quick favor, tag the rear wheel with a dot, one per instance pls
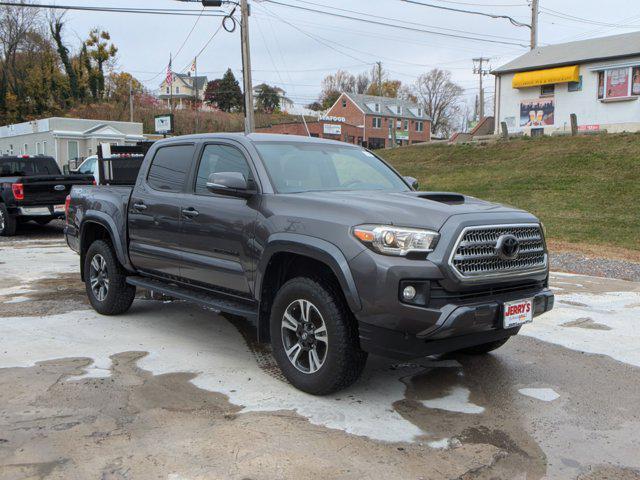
(105, 280)
(314, 337)
(484, 348)
(8, 223)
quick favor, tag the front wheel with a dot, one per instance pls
(105, 280)
(314, 337)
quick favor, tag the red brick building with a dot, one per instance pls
(366, 120)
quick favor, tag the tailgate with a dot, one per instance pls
(50, 190)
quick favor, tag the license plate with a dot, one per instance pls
(518, 313)
(58, 208)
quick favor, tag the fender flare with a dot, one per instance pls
(315, 248)
(102, 219)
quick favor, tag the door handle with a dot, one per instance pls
(139, 206)
(190, 212)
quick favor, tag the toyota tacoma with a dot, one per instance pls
(328, 250)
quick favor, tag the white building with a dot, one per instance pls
(66, 139)
(597, 79)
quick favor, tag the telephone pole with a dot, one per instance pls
(478, 69)
(249, 121)
(379, 64)
(535, 10)
(131, 99)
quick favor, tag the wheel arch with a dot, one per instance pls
(288, 254)
(98, 226)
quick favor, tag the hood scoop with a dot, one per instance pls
(443, 197)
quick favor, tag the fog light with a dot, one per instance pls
(409, 293)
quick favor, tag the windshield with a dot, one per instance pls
(303, 167)
(25, 167)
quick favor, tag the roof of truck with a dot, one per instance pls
(255, 137)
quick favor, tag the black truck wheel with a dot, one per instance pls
(8, 223)
(105, 280)
(485, 347)
(314, 337)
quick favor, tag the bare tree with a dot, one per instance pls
(334, 85)
(15, 25)
(362, 82)
(441, 98)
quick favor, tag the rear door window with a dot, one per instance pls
(169, 168)
(25, 167)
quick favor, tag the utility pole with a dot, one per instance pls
(131, 99)
(379, 64)
(195, 82)
(249, 121)
(535, 10)
(478, 69)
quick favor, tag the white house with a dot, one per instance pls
(597, 79)
(68, 140)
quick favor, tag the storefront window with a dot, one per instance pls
(617, 82)
(635, 81)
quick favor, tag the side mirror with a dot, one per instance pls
(413, 182)
(229, 183)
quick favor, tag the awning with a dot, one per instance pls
(546, 77)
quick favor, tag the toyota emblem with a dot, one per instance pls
(508, 247)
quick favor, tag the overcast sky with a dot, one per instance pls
(295, 49)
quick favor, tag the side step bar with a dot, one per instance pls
(218, 303)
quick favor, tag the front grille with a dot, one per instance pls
(475, 253)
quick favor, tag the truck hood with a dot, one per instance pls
(409, 209)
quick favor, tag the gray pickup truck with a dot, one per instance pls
(329, 251)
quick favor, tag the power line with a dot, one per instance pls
(472, 12)
(402, 27)
(144, 11)
(407, 22)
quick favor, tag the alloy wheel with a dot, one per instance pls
(1, 221)
(304, 336)
(99, 278)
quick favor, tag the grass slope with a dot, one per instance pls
(585, 189)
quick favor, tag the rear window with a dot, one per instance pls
(168, 171)
(26, 167)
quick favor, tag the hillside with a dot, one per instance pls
(585, 189)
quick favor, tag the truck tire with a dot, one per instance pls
(105, 280)
(485, 347)
(8, 223)
(314, 337)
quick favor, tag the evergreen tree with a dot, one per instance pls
(225, 93)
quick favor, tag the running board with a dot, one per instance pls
(218, 303)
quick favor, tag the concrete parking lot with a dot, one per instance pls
(174, 391)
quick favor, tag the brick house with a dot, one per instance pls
(366, 120)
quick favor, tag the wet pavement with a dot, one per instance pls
(174, 391)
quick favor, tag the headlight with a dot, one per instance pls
(396, 240)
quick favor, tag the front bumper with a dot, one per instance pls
(453, 316)
(459, 326)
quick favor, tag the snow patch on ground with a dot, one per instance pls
(620, 311)
(457, 400)
(182, 338)
(544, 394)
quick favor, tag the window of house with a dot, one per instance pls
(619, 83)
(406, 125)
(177, 89)
(398, 109)
(168, 171)
(377, 122)
(11, 149)
(398, 124)
(419, 112)
(38, 148)
(376, 107)
(167, 89)
(216, 159)
(575, 86)
(44, 148)
(547, 90)
(344, 103)
(419, 126)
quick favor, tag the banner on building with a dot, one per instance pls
(537, 113)
(331, 129)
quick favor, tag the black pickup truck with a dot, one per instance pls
(323, 245)
(33, 188)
